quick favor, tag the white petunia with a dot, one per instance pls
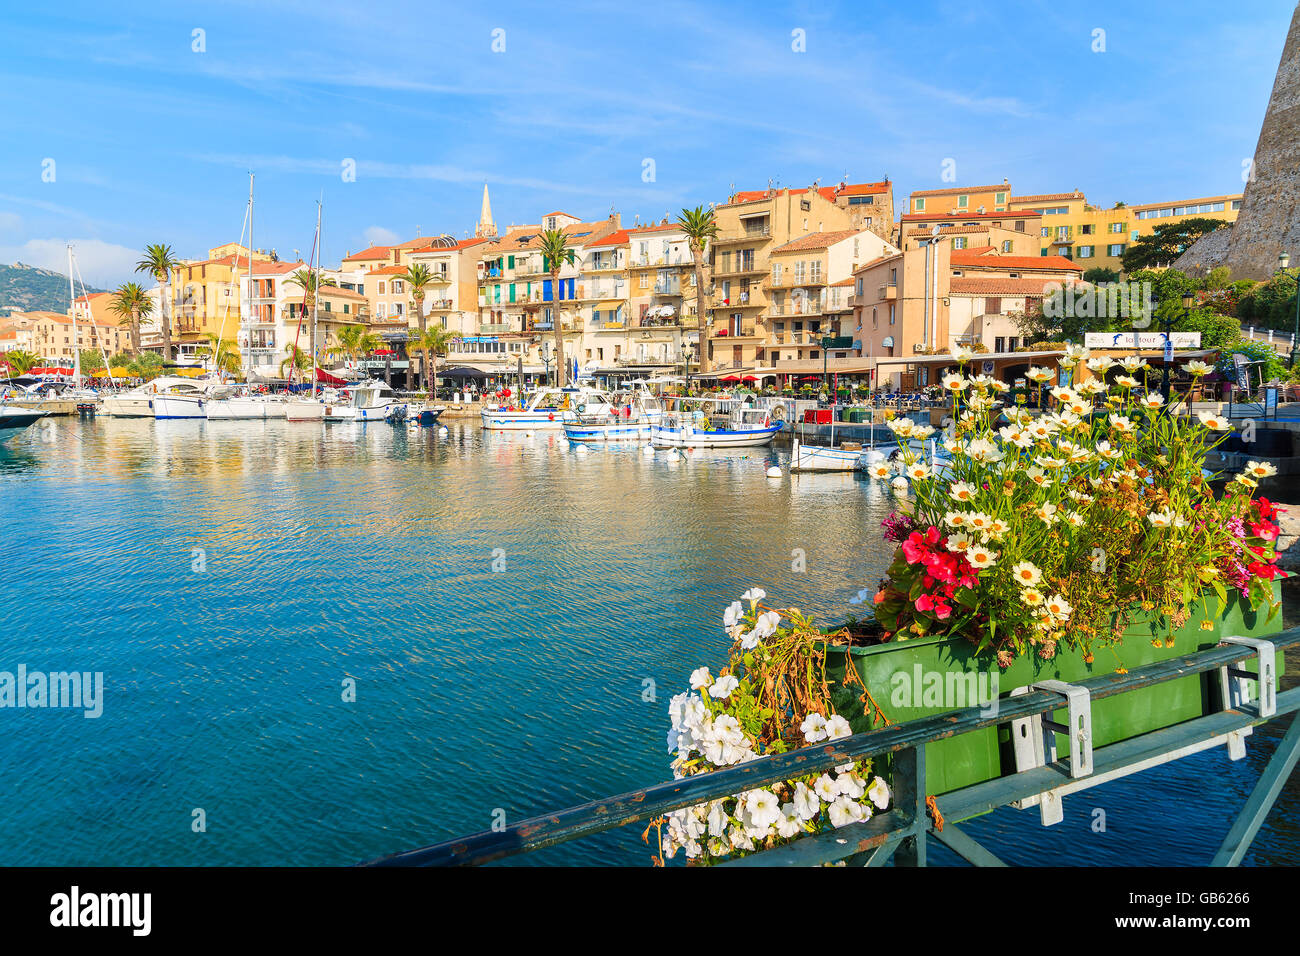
(813, 728)
(722, 688)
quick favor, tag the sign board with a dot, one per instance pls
(1141, 340)
(837, 342)
(1270, 401)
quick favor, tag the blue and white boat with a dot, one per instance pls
(742, 427)
(371, 402)
(620, 416)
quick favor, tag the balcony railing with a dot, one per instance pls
(726, 331)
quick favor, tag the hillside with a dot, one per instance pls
(29, 289)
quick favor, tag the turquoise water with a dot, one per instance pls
(230, 578)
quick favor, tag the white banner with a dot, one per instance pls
(1141, 340)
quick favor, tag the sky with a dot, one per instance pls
(125, 124)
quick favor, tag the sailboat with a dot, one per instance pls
(312, 409)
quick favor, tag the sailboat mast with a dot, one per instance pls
(315, 301)
(76, 346)
(248, 320)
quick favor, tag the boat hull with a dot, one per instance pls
(507, 421)
(305, 411)
(664, 436)
(14, 419)
(178, 406)
(607, 431)
(817, 458)
(128, 406)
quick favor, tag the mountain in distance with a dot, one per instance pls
(29, 289)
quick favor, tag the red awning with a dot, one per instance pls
(729, 378)
(49, 371)
(328, 379)
(384, 352)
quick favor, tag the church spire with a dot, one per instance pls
(486, 228)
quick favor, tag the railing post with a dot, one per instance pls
(909, 792)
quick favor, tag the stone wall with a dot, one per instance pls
(1270, 216)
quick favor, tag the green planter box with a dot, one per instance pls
(912, 679)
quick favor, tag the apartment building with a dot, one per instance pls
(926, 299)
(961, 200)
(52, 336)
(451, 300)
(809, 285)
(277, 319)
(1005, 241)
(205, 296)
(1098, 238)
(110, 336)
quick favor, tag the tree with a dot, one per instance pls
(91, 360)
(1270, 304)
(295, 358)
(132, 305)
(311, 283)
(224, 352)
(1167, 242)
(701, 228)
(418, 278)
(21, 361)
(1100, 274)
(160, 262)
(429, 343)
(348, 341)
(555, 253)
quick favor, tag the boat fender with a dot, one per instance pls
(777, 412)
(552, 416)
(582, 408)
(774, 472)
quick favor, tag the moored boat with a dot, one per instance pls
(544, 411)
(742, 427)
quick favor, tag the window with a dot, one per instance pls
(815, 270)
(857, 286)
(1045, 231)
(1062, 233)
(999, 197)
(920, 205)
(963, 202)
(1116, 227)
(1087, 229)
(861, 200)
(1006, 245)
(891, 313)
(776, 273)
(875, 324)
(644, 280)
(381, 286)
(379, 310)
(992, 306)
(1000, 344)
(1085, 252)
(1116, 249)
(397, 286)
(959, 242)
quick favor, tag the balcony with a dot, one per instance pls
(741, 300)
(887, 292)
(750, 234)
(796, 281)
(727, 332)
(493, 328)
(741, 269)
(667, 288)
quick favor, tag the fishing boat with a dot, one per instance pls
(545, 410)
(52, 398)
(847, 456)
(618, 416)
(695, 427)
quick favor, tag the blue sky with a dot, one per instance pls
(152, 141)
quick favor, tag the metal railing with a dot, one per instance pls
(903, 830)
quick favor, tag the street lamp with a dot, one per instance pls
(1189, 300)
(1283, 261)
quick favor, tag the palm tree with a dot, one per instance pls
(21, 362)
(224, 352)
(429, 342)
(418, 277)
(701, 229)
(555, 253)
(132, 305)
(348, 341)
(311, 283)
(159, 262)
(296, 358)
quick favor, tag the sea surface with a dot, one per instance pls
(322, 644)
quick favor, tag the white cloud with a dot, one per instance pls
(379, 236)
(102, 264)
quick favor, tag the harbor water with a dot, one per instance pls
(324, 643)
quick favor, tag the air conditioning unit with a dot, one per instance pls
(918, 347)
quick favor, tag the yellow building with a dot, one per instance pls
(1098, 238)
(959, 200)
(205, 297)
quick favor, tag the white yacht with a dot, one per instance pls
(545, 410)
(14, 418)
(138, 402)
(371, 402)
(187, 399)
(245, 405)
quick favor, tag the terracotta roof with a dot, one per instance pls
(617, 238)
(955, 230)
(876, 261)
(848, 281)
(935, 216)
(816, 240)
(977, 250)
(388, 271)
(517, 238)
(658, 227)
(588, 232)
(374, 252)
(1043, 197)
(275, 268)
(864, 189)
(559, 213)
(991, 285)
(333, 290)
(958, 190)
(972, 257)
